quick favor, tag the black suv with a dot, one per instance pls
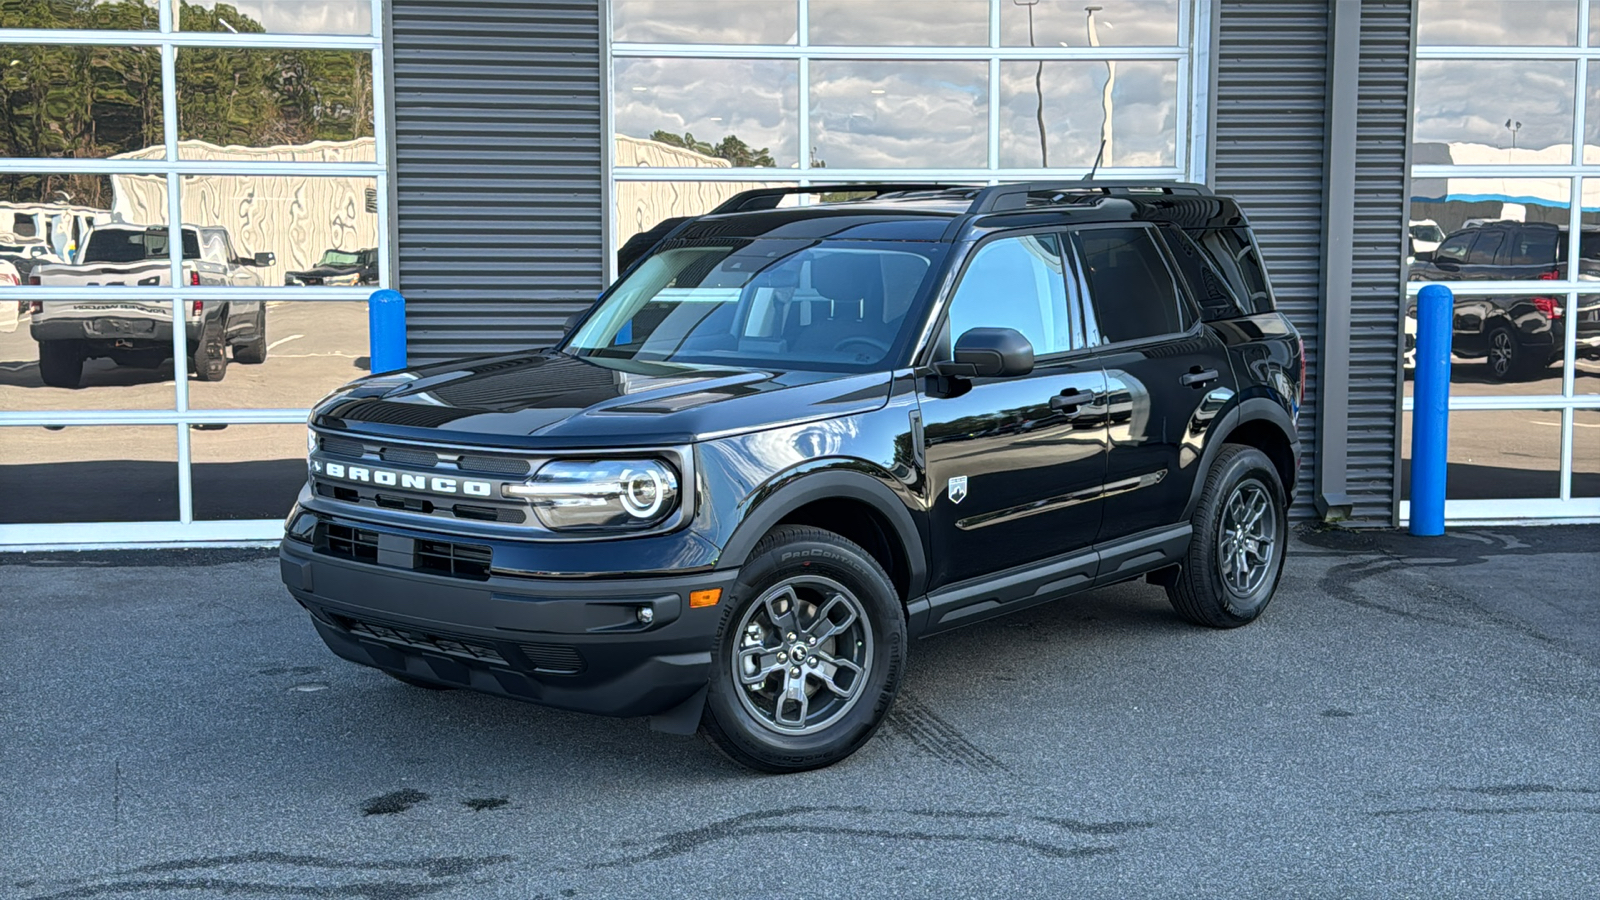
(788, 440)
(1518, 337)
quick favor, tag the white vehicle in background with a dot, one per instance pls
(1424, 237)
(139, 334)
(10, 310)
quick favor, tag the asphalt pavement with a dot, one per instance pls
(1411, 717)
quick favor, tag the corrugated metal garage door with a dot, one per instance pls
(1382, 155)
(498, 122)
(1270, 119)
(1270, 133)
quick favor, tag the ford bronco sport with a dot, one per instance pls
(791, 438)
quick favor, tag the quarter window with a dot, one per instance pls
(1016, 283)
(1129, 284)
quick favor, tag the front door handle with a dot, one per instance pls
(1069, 401)
(1196, 377)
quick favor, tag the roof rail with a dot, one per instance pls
(1006, 197)
(769, 198)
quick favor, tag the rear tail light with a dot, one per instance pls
(1550, 306)
(194, 278)
(197, 307)
(33, 279)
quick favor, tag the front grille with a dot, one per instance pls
(555, 658)
(459, 560)
(407, 459)
(349, 542)
(408, 456)
(449, 646)
(342, 446)
(494, 465)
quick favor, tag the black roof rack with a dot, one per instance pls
(769, 198)
(1006, 197)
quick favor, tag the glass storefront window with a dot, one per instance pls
(1591, 118)
(1494, 112)
(1497, 23)
(83, 102)
(309, 348)
(859, 23)
(246, 471)
(88, 474)
(642, 205)
(1586, 453)
(1142, 105)
(707, 113)
(704, 21)
(1490, 229)
(1113, 23)
(278, 230)
(95, 15)
(886, 115)
(274, 16)
(1497, 454)
(287, 101)
(1503, 345)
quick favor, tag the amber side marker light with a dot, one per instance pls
(698, 599)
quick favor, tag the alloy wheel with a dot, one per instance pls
(801, 655)
(1500, 353)
(1246, 541)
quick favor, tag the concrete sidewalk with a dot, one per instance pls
(1410, 718)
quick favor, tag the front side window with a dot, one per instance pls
(1487, 246)
(1129, 284)
(822, 305)
(1454, 249)
(1017, 283)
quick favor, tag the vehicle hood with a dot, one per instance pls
(325, 271)
(545, 399)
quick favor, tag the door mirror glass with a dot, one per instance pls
(990, 353)
(266, 258)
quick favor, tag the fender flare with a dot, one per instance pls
(1250, 409)
(797, 488)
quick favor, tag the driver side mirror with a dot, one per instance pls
(989, 353)
(264, 259)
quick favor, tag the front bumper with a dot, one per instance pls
(575, 644)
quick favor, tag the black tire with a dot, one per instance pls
(61, 363)
(254, 351)
(1203, 591)
(873, 641)
(210, 358)
(1508, 360)
(418, 682)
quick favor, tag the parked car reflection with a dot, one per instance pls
(1517, 337)
(339, 268)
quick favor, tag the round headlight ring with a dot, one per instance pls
(642, 493)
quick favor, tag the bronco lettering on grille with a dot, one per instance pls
(387, 478)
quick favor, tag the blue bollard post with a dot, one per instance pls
(1430, 408)
(386, 327)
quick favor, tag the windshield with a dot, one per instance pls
(829, 305)
(122, 245)
(1427, 233)
(339, 258)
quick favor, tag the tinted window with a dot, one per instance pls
(1454, 249)
(830, 305)
(1235, 256)
(1016, 283)
(1534, 247)
(1129, 284)
(1216, 300)
(122, 245)
(1484, 250)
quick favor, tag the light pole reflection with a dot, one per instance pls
(1105, 96)
(1038, 84)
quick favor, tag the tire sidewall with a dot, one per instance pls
(753, 742)
(1249, 464)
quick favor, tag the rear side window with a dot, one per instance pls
(1130, 287)
(1235, 256)
(1534, 247)
(1217, 300)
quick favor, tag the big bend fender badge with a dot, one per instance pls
(957, 489)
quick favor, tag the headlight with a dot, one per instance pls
(311, 440)
(601, 493)
(343, 280)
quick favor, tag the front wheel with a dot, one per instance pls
(1236, 554)
(809, 654)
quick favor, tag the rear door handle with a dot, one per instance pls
(1069, 402)
(1196, 377)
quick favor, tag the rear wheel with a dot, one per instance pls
(809, 655)
(254, 351)
(61, 363)
(210, 359)
(1236, 554)
(1509, 360)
